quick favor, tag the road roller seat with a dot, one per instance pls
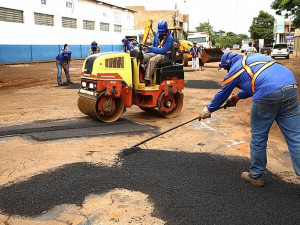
(172, 59)
(169, 68)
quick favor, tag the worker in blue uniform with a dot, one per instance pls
(159, 51)
(250, 50)
(128, 45)
(62, 60)
(274, 93)
(94, 49)
(195, 51)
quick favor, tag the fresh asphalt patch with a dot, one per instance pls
(74, 86)
(201, 84)
(185, 188)
(73, 128)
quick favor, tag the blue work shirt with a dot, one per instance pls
(167, 45)
(270, 80)
(195, 51)
(130, 45)
(62, 57)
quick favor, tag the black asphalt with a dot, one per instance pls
(186, 188)
(72, 128)
(201, 84)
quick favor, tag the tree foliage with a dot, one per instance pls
(262, 27)
(221, 38)
(229, 40)
(204, 27)
(288, 8)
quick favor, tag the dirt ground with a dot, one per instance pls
(29, 93)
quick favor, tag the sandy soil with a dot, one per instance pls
(29, 92)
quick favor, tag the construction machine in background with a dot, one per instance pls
(183, 56)
(208, 54)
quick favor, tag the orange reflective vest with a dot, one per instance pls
(160, 44)
(249, 71)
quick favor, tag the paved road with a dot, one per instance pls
(72, 128)
(186, 188)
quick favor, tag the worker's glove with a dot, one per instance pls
(205, 113)
(231, 102)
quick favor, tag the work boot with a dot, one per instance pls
(70, 82)
(60, 84)
(255, 181)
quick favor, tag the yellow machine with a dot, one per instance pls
(111, 82)
(183, 56)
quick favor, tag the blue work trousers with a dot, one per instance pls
(283, 107)
(59, 72)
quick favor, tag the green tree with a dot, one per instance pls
(262, 27)
(288, 8)
(204, 27)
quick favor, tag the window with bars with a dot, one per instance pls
(88, 25)
(117, 28)
(11, 15)
(43, 19)
(69, 22)
(104, 26)
(116, 62)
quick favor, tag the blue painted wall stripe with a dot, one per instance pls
(31, 53)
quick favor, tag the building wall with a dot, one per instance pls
(27, 41)
(297, 44)
(142, 15)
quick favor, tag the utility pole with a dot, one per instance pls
(176, 14)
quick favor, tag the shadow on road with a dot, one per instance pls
(186, 188)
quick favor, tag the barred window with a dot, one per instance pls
(104, 26)
(88, 25)
(116, 62)
(118, 28)
(69, 22)
(43, 19)
(11, 15)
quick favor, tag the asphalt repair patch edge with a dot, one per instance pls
(51, 130)
(186, 188)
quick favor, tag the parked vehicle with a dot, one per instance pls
(280, 50)
(235, 47)
(266, 49)
(245, 45)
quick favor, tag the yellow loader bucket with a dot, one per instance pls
(211, 55)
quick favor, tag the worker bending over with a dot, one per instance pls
(62, 62)
(274, 93)
(159, 51)
(195, 51)
(128, 45)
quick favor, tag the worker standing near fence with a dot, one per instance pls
(195, 51)
(94, 49)
(274, 93)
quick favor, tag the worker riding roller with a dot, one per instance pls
(160, 50)
(114, 81)
(274, 93)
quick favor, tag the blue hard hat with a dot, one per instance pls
(162, 26)
(226, 60)
(124, 40)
